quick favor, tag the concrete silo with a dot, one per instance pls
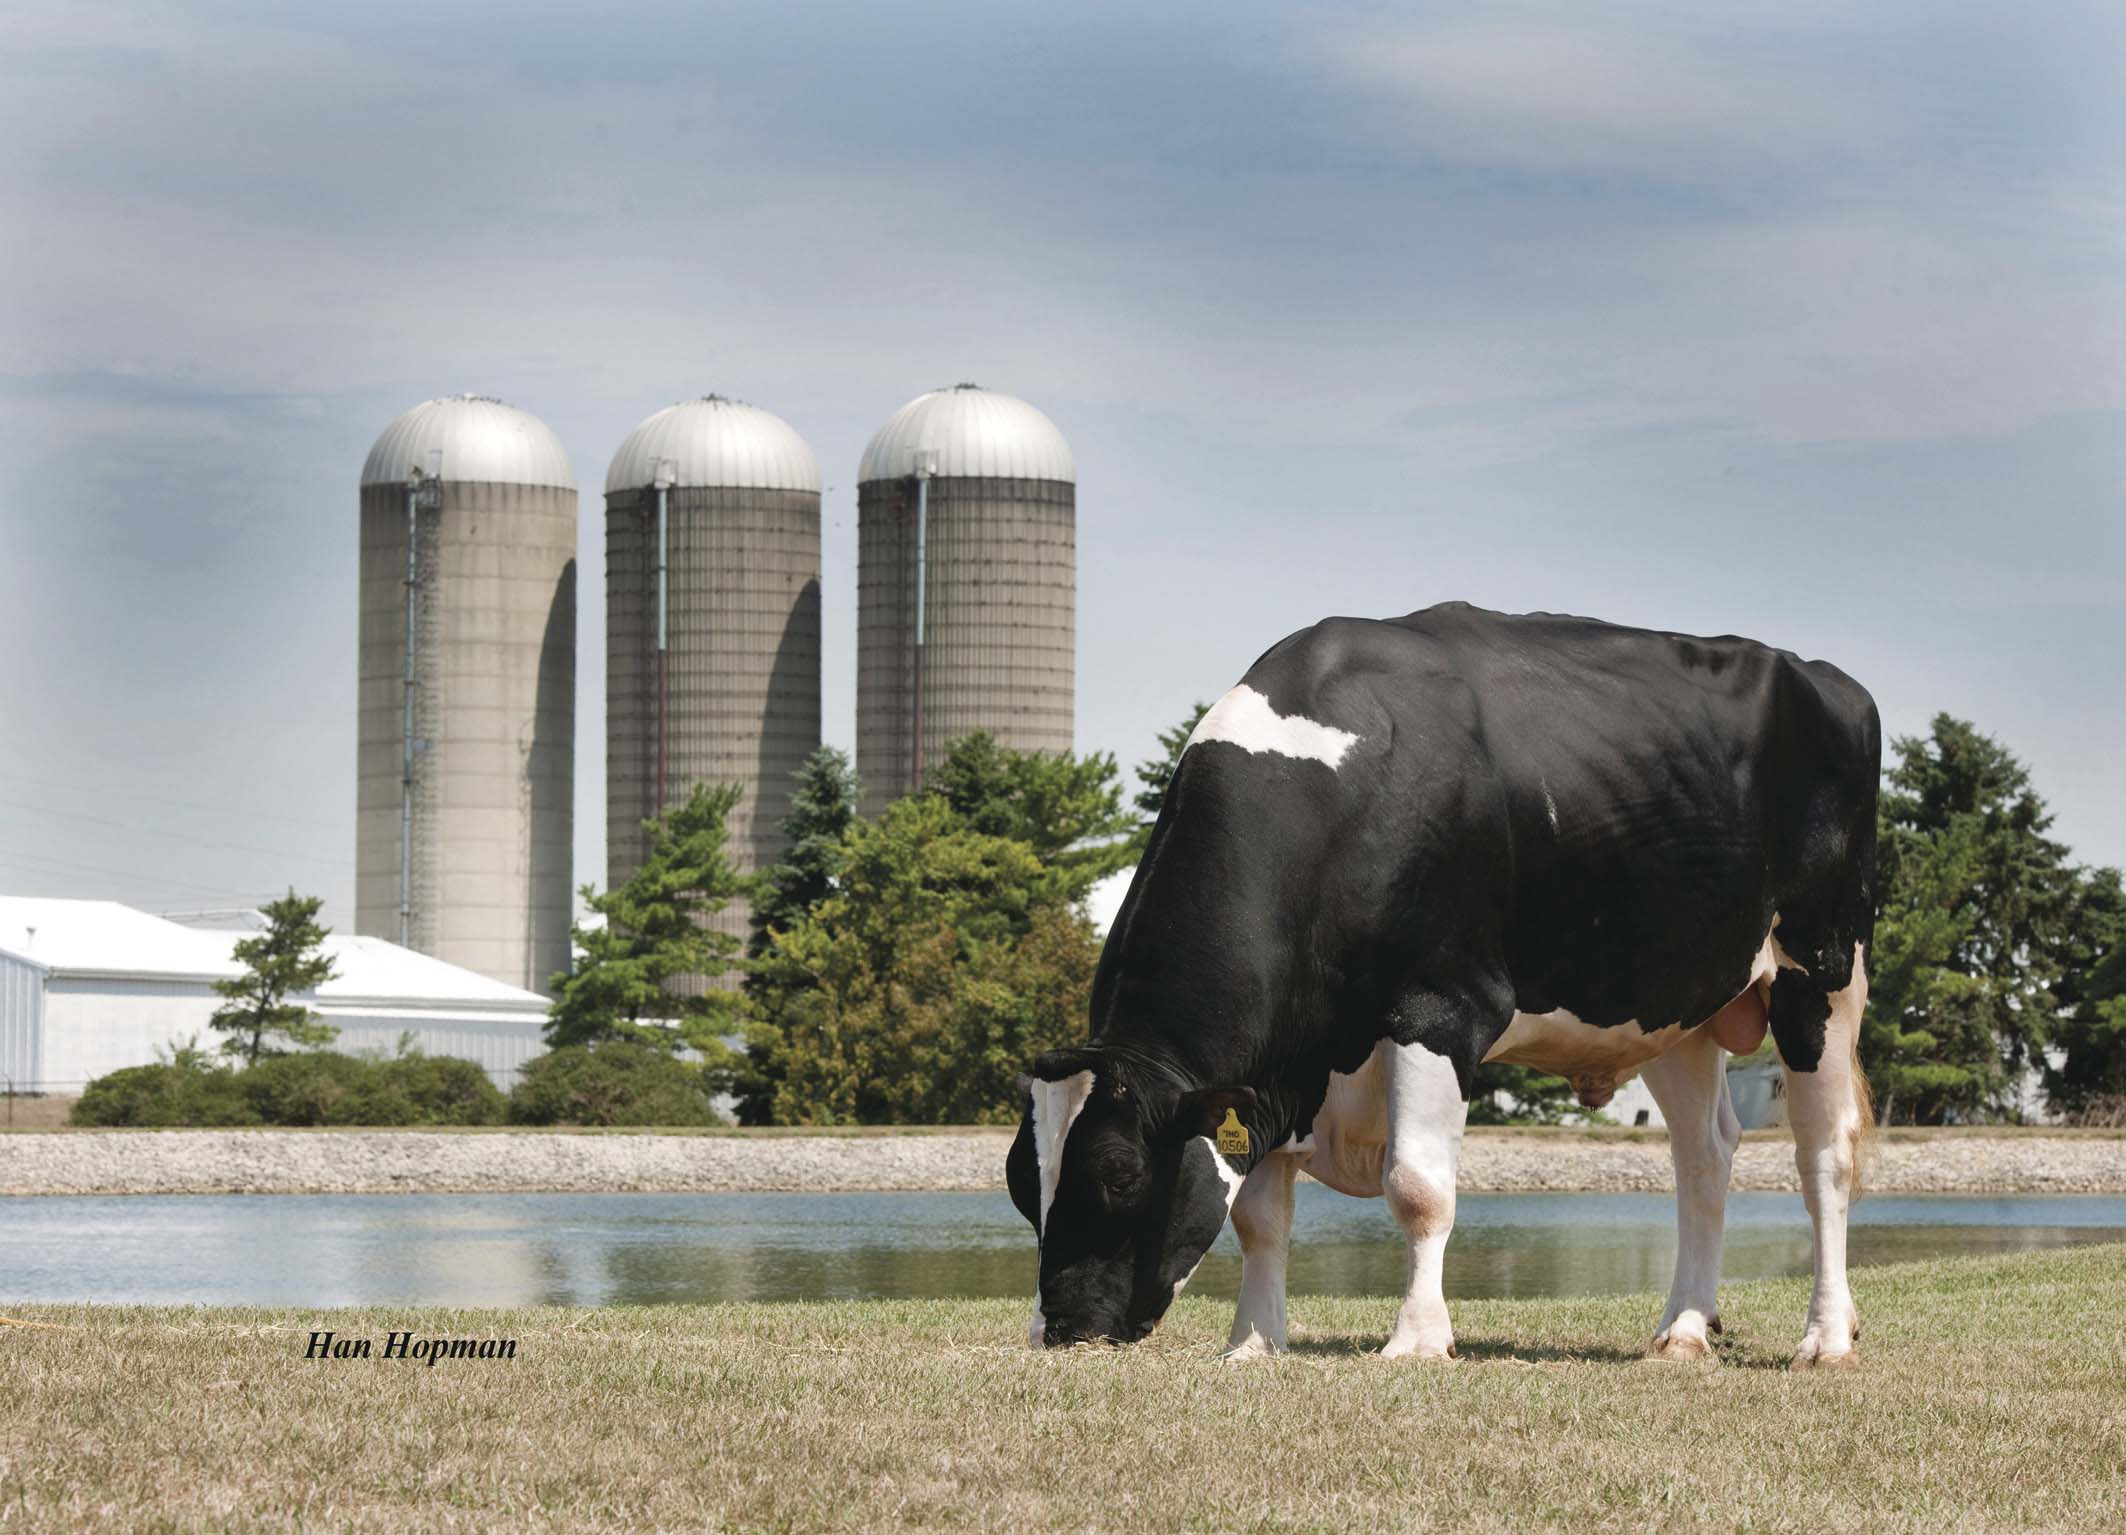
(712, 624)
(466, 769)
(966, 585)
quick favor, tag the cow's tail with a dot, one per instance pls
(1863, 1120)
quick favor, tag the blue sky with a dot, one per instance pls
(1775, 319)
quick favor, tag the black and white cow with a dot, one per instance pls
(1401, 848)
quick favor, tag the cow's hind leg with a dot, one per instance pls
(1262, 1215)
(1690, 1084)
(1426, 1112)
(1818, 1033)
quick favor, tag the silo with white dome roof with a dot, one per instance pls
(966, 585)
(467, 695)
(712, 624)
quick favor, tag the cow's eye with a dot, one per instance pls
(1122, 1181)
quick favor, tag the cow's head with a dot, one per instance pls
(1116, 1171)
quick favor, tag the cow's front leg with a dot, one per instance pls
(1262, 1215)
(1690, 1084)
(1426, 1112)
(1828, 1106)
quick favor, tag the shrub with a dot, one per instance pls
(323, 1088)
(314, 1088)
(443, 1090)
(619, 1082)
(181, 1092)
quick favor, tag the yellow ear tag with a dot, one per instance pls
(1232, 1136)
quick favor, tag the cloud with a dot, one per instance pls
(1777, 317)
(1557, 93)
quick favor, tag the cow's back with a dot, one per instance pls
(1551, 812)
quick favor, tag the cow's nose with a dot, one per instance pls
(1062, 1335)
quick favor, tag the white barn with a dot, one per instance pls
(87, 987)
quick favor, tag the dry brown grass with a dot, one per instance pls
(47, 1114)
(47, 1111)
(1993, 1396)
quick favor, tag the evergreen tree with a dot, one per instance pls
(654, 933)
(1928, 1038)
(1066, 809)
(1158, 772)
(1975, 915)
(280, 962)
(2091, 1081)
(822, 808)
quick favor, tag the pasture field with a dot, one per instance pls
(1992, 1396)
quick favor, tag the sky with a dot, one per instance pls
(1798, 320)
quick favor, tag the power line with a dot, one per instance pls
(178, 836)
(35, 863)
(244, 811)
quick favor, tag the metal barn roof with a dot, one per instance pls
(481, 439)
(969, 431)
(713, 441)
(104, 938)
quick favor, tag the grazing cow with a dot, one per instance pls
(1401, 848)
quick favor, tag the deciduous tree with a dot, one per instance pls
(946, 958)
(1067, 809)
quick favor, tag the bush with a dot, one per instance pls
(181, 1092)
(321, 1088)
(313, 1088)
(619, 1082)
(443, 1090)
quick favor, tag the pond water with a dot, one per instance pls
(604, 1249)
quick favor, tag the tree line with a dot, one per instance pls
(905, 968)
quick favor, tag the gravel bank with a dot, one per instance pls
(406, 1161)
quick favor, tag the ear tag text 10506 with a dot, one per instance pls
(1232, 1136)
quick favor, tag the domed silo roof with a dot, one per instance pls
(718, 443)
(481, 439)
(972, 432)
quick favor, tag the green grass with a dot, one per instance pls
(1992, 1396)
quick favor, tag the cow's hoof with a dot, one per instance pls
(1681, 1348)
(1254, 1348)
(1420, 1350)
(1813, 1356)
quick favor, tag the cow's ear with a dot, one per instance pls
(1203, 1111)
(1062, 1065)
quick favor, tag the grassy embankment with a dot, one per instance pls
(1993, 1396)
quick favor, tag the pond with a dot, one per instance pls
(610, 1249)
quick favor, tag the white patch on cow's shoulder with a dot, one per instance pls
(1055, 1108)
(1244, 718)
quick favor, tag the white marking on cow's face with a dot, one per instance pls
(1056, 1106)
(1244, 718)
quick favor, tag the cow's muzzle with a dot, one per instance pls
(1065, 1334)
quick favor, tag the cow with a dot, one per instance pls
(1401, 848)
